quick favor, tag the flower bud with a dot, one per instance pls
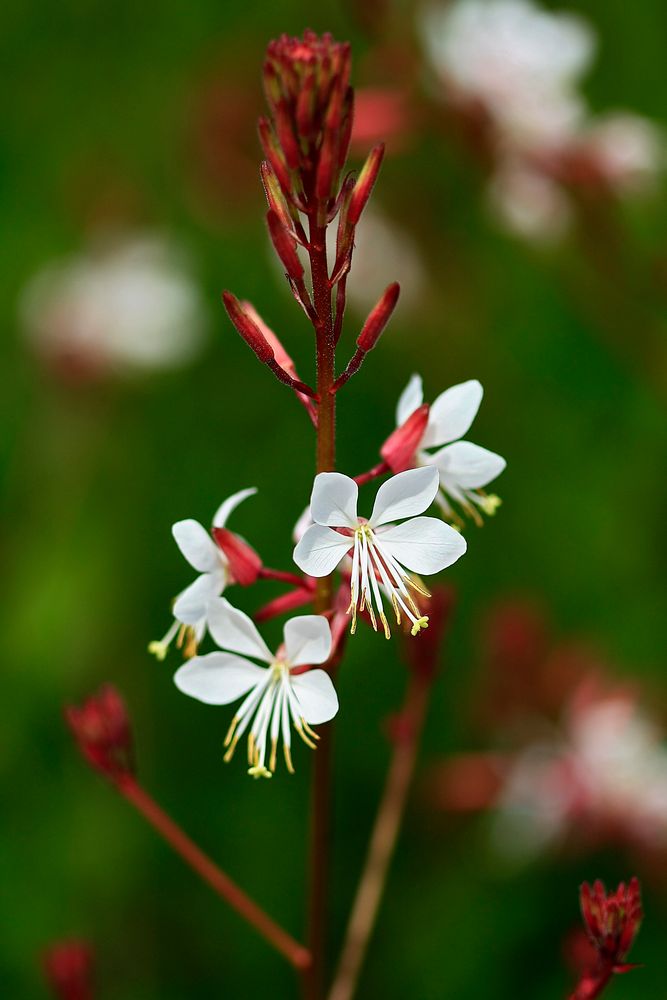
(612, 920)
(68, 970)
(285, 246)
(365, 183)
(249, 331)
(378, 318)
(102, 731)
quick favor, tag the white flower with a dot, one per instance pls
(381, 550)
(125, 307)
(528, 203)
(275, 694)
(201, 551)
(464, 468)
(628, 149)
(522, 63)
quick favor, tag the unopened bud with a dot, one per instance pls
(244, 562)
(68, 967)
(274, 195)
(365, 184)
(285, 246)
(274, 155)
(248, 330)
(102, 731)
(378, 318)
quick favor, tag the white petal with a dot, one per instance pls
(452, 413)
(410, 399)
(404, 495)
(334, 500)
(320, 550)
(192, 603)
(317, 696)
(307, 640)
(230, 504)
(232, 629)
(423, 544)
(468, 465)
(196, 545)
(217, 678)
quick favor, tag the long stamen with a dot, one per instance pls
(376, 590)
(366, 601)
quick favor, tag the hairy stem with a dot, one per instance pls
(207, 870)
(325, 461)
(382, 842)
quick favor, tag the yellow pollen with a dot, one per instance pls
(419, 625)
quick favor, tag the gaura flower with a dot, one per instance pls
(464, 468)
(201, 551)
(275, 694)
(382, 551)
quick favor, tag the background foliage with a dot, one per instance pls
(102, 121)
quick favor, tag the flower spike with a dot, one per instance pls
(382, 552)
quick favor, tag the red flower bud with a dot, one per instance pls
(285, 246)
(244, 563)
(378, 318)
(365, 184)
(399, 449)
(68, 970)
(102, 731)
(612, 920)
(249, 331)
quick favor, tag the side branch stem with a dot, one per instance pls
(207, 870)
(383, 841)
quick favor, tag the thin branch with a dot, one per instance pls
(383, 840)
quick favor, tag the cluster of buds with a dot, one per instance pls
(612, 922)
(102, 731)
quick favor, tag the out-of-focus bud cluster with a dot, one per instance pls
(102, 731)
(511, 73)
(123, 307)
(68, 970)
(612, 921)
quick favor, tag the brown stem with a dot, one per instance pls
(325, 461)
(294, 952)
(383, 841)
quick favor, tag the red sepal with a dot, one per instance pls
(101, 727)
(399, 449)
(244, 563)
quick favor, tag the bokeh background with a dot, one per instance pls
(131, 117)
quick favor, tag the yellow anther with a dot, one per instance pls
(307, 728)
(251, 749)
(158, 649)
(230, 753)
(272, 758)
(419, 587)
(385, 625)
(419, 625)
(353, 626)
(397, 610)
(304, 737)
(230, 731)
(288, 759)
(372, 614)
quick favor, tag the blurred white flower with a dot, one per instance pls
(128, 307)
(521, 63)
(607, 772)
(627, 149)
(528, 203)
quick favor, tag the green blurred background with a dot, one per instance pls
(102, 120)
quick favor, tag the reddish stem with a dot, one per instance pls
(207, 870)
(367, 477)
